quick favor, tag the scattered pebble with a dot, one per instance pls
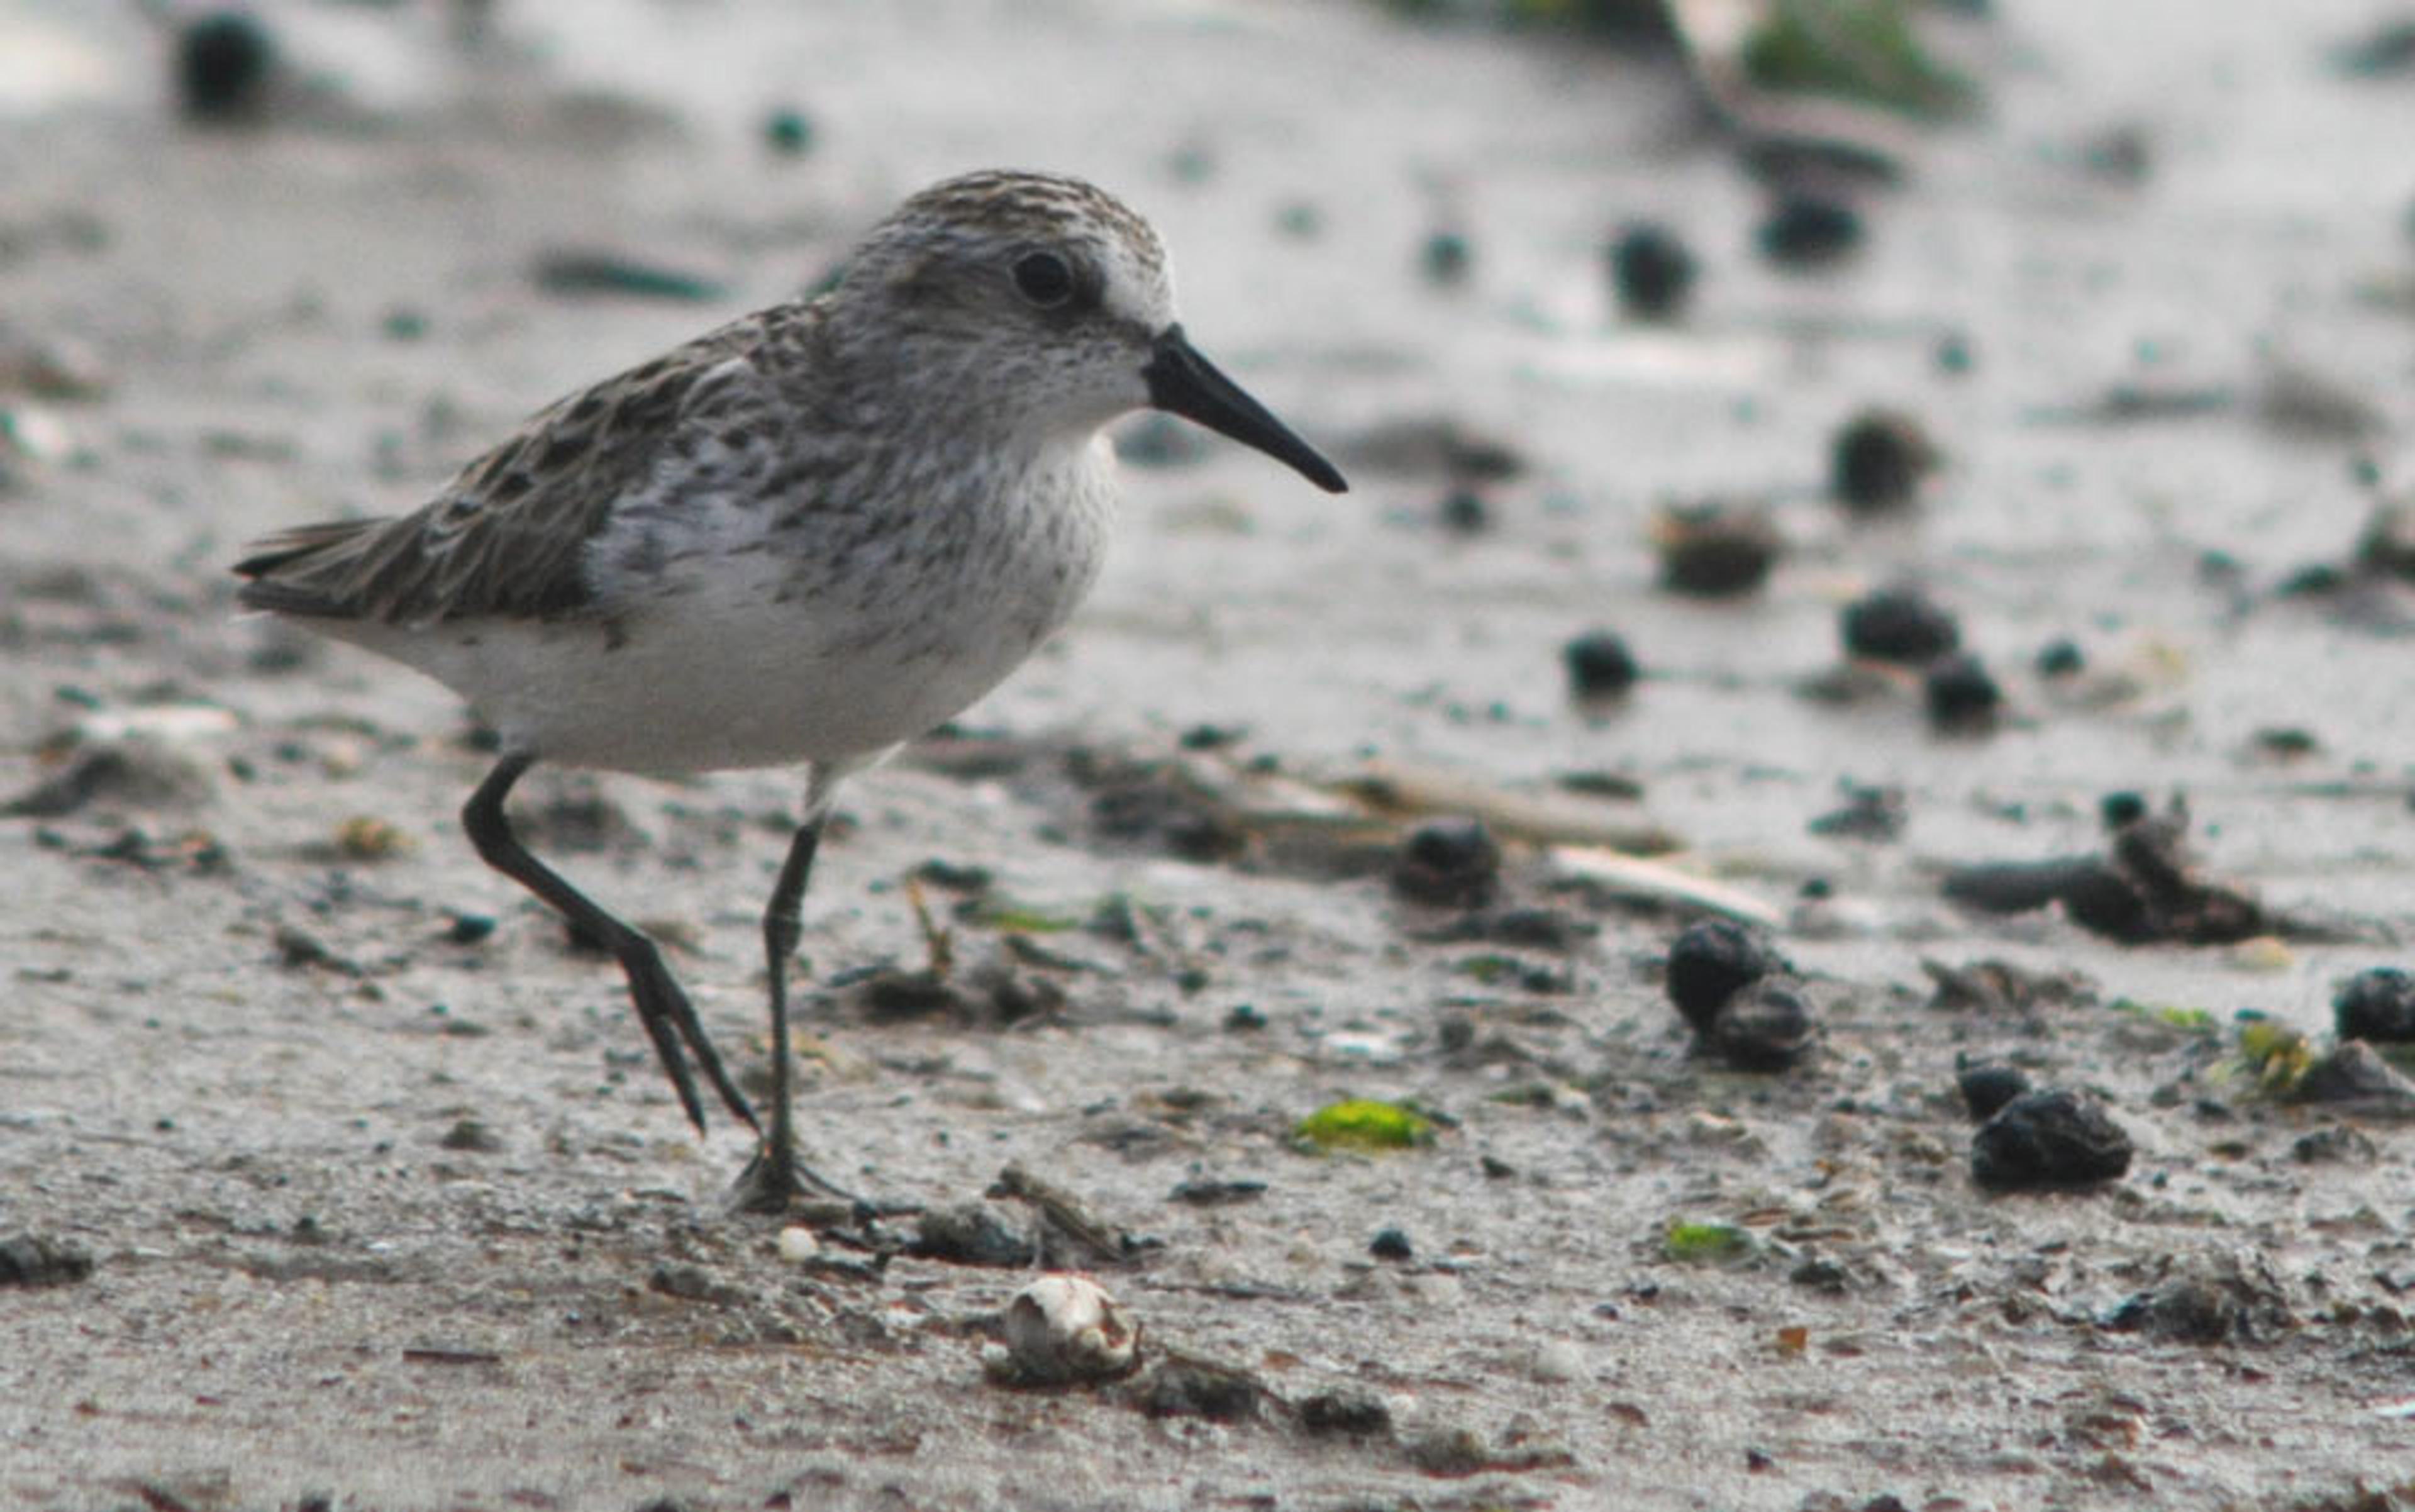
(140, 772)
(1878, 462)
(1652, 270)
(1207, 1193)
(1555, 1362)
(1987, 1088)
(1962, 699)
(1463, 511)
(971, 1234)
(2061, 659)
(224, 59)
(1391, 1244)
(798, 1245)
(789, 131)
(2228, 1299)
(365, 838)
(1599, 665)
(2339, 1144)
(1446, 257)
(1765, 1027)
(2356, 1075)
(1186, 1386)
(2375, 1005)
(469, 929)
(575, 271)
(1345, 1414)
(472, 1136)
(1063, 1329)
(1451, 863)
(1711, 962)
(34, 1260)
(1805, 232)
(1899, 624)
(1874, 813)
(1716, 550)
(2048, 1139)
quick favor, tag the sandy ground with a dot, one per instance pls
(385, 1212)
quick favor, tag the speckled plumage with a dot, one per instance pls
(806, 536)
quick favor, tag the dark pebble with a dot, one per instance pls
(1346, 1414)
(1953, 355)
(469, 929)
(1448, 862)
(1652, 270)
(1245, 1018)
(1878, 461)
(31, 1260)
(1446, 257)
(789, 131)
(1463, 511)
(571, 271)
(1199, 1389)
(1208, 1193)
(1766, 1028)
(1391, 1244)
(223, 60)
(969, 1233)
(2120, 810)
(2338, 1144)
(1599, 665)
(2060, 658)
(1959, 695)
(1986, 1088)
(1717, 551)
(2048, 1139)
(1877, 813)
(2377, 1004)
(1899, 624)
(472, 1136)
(1711, 962)
(1805, 232)
(2356, 1073)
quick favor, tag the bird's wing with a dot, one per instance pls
(508, 535)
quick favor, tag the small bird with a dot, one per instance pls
(801, 539)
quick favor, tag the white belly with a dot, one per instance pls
(731, 658)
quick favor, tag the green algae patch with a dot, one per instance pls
(1705, 1244)
(1362, 1124)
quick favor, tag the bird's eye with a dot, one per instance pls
(1044, 278)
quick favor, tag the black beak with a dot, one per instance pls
(1186, 383)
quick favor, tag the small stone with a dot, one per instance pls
(1189, 1388)
(1391, 1244)
(1711, 962)
(1805, 232)
(1446, 257)
(1463, 511)
(1716, 550)
(1449, 1452)
(1652, 270)
(2118, 811)
(798, 1245)
(969, 1233)
(2375, 1005)
(1345, 1414)
(2060, 658)
(1599, 665)
(1063, 1329)
(469, 929)
(1556, 1361)
(2048, 1139)
(1878, 461)
(789, 131)
(223, 62)
(34, 1260)
(2356, 1074)
(1449, 863)
(1765, 1027)
(2338, 1144)
(1899, 624)
(1876, 813)
(472, 1136)
(1959, 695)
(1987, 1087)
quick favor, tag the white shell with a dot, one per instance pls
(1064, 1329)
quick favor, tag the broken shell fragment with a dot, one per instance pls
(1063, 1329)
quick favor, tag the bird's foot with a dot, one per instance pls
(776, 1182)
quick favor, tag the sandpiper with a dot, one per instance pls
(801, 539)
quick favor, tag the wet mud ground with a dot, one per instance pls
(386, 1206)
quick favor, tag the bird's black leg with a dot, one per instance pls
(662, 1007)
(775, 1176)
